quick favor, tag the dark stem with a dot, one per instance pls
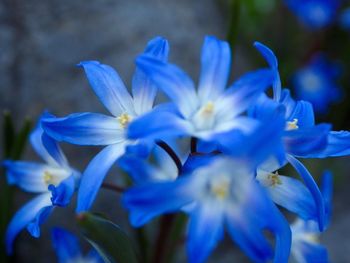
(193, 145)
(171, 153)
(162, 240)
(113, 187)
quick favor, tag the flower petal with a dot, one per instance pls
(243, 93)
(216, 60)
(304, 141)
(84, 129)
(143, 90)
(27, 175)
(94, 174)
(313, 188)
(51, 153)
(109, 87)
(291, 194)
(158, 124)
(338, 145)
(65, 244)
(172, 81)
(62, 194)
(143, 201)
(304, 113)
(273, 63)
(206, 223)
(24, 216)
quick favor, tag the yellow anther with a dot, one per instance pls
(220, 190)
(124, 119)
(48, 178)
(274, 179)
(208, 108)
(292, 125)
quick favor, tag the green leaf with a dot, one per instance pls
(107, 238)
(21, 140)
(8, 133)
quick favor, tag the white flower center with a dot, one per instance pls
(204, 118)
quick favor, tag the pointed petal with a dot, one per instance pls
(338, 145)
(216, 60)
(172, 81)
(27, 175)
(158, 124)
(95, 173)
(109, 87)
(273, 63)
(143, 90)
(206, 223)
(24, 216)
(34, 226)
(304, 141)
(313, 188)
(65, 244)
(45, 151)
(54, 150)
(243, 93)
(291, 194)
(84, 129)
(143, 201)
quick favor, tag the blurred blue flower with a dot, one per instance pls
(208, 111)
(68, 249)
(222, 193)
(55, 182)
(109, 131)
(344, 19)
(317, 83)
(315, 14)
(305, 234)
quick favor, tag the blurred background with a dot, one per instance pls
(42, 41)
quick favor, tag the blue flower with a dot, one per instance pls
(68, 249)
(221, 194)
(109, 131)
(344, 19)
(301, 138)
(208, 111)
(54, 181)
(315, 14)
(305, 234)
(316, 83)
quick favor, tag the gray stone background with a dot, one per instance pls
(40, 43)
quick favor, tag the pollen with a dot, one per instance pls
(124, 119)
(274, 179)
(208, 108)
(292, 125)
(48, 178)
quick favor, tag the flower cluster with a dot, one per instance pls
(226, 176)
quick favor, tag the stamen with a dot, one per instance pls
(292, 125)
(48, 178)
(221, 188)
(274, 179)
(208, 108)
(124, 119)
